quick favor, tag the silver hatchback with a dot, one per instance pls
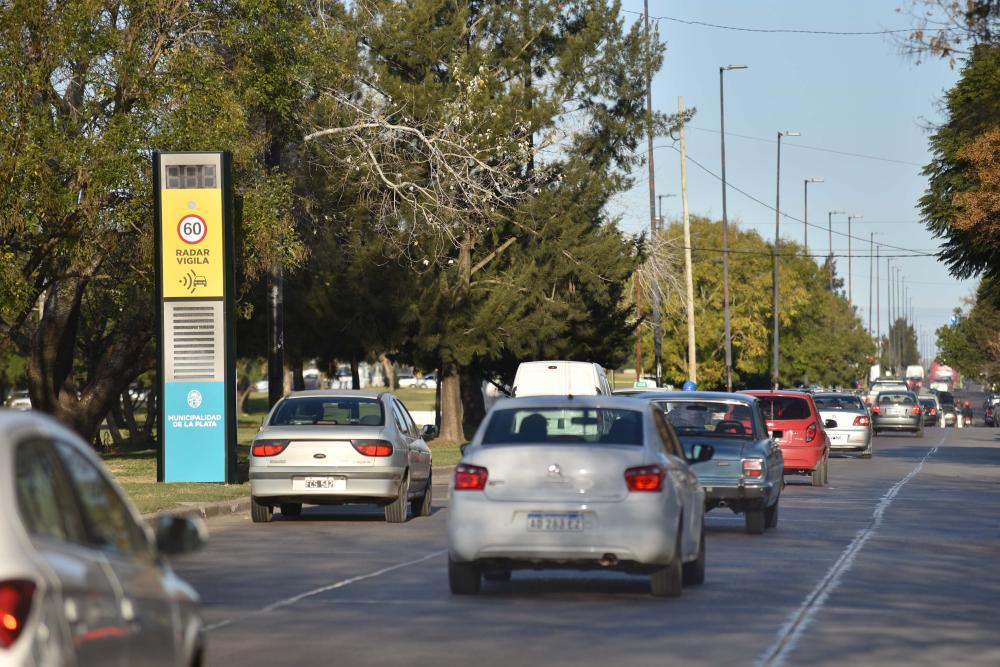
(898, 411)
(83, 579)
(334, 447)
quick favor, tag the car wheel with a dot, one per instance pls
(463, 578)
(755, 520)
(396, 511)
(771, 515)
(291, 509)
(817, 474)
(668, 582)
(919, 433)
(693, 573)
(826, 471)
(422, 506)
(259, 512)
(867, 452)
(497, 575)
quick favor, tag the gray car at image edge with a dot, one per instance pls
(336, 447)
(83, 579)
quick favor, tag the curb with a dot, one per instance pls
(242, 505)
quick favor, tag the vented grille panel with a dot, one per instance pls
(193, 340)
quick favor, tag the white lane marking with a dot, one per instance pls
(322, 589)
(789, 635)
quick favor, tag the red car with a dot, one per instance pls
(798, 429)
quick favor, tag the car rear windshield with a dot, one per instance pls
(573, 425)
(716, 417)
(895, 399)
(838, 402)
(329, 411)
(927, 402)
(946, 398)
(780, 408)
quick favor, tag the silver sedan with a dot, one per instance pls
(853, 431)
(589, 482)
(83, 579)
(334, 447)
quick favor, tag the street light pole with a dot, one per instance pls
(725, 230)
(777, 227)
(829, 231)
(849, 218)
(657, 327)
(692, 366)
(805, 212)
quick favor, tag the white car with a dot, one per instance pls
(853, 431)
(83, 579)
(588, 482)
(560, 378)
(19, 400)
(429, 381)
(405, 380)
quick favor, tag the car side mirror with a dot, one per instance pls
(701, 453)
(176, 535)
(429, 431)
(462, 448)
(830, 423)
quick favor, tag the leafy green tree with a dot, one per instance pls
(972, 344)
(900, 347)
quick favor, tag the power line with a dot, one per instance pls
(767, 253)
(811, 148)
(799, 31)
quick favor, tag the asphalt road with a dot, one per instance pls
(896, 562)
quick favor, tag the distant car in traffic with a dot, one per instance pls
(19, 400)
(884, 384)
(747, 469)
(795, 423)
(83, 579)
(948, 408)
(406, 380)
(582, 482)
(340, 446)
(428, 381)
(932, 409)
(560, 378)
(898, 411)
(853, 430)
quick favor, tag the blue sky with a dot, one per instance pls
(856, 94)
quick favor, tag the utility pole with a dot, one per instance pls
(878, 303)
(275, 336)
(871, 277)
(805, 212)
(725, 230)
(657, 328)
(638, 337)
(777, 239)
(829, 231)
(888, 301)
(688, 277)
(850, 300)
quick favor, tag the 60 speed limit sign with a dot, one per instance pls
(192, 229)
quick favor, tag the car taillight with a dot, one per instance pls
(373, 447)
(933, 411)
(915, 410)
(470, 478)
(15, 603)
(268, 447)
(645, 478)
(753, 468)
(811, 432)
(862, 420)
(875, 409)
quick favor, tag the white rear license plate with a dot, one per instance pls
(325, 483)
(562, 522)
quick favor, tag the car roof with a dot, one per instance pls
(845, 394)
(588, 401)
(791, 393)
(343, 393)
(695, 395)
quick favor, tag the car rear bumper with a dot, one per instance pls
(849, 439)
(801, 458)
(914, 423)
(737, 497)
(637, 529)
(381, 483)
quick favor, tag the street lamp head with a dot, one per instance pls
(729, 68)
(814, 180)
(790, 133)
(835, 212)
(855, 216)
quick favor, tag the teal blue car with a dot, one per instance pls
(746, 474)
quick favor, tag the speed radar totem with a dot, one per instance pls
(196, 352)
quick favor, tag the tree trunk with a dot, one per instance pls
(473, 407)
(298, 381)
(355, 376)
(389, 369)
(244, 385)
(451, 404)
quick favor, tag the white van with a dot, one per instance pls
(561, 378)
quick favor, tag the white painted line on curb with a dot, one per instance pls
(322, 589)
(789, 635)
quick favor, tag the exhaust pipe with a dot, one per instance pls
(608, 560)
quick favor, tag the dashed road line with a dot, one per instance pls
(790, 633)
(322, 589)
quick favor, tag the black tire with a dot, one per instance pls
(398, 510)
(463, 578)
(771, 515)
(497, 575)
(259, 512)
(668, 582)
(694, 572)
(755, 521)
(818, 475)
(826, 471)
(291, 509)
(421, 506)
(866, 453)
(919, 433)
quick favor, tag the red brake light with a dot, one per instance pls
(15, 603)
(862, 420)
(268, 447)
(645, 478)
(811, 432)
(753, 468)
(916, 410)
(373, 447)
(934, 411)
(875, 409)
(470, 478)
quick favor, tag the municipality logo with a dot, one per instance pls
(194, 398)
